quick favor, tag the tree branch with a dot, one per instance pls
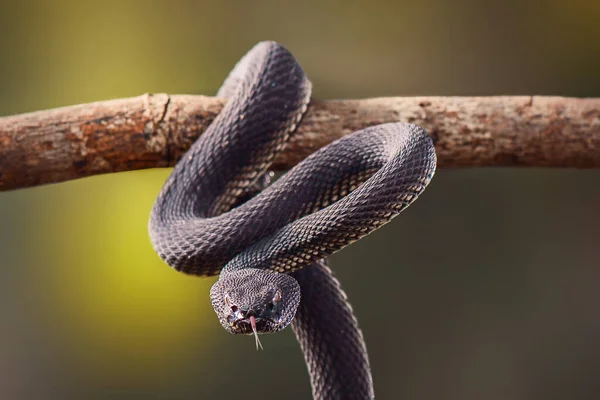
(155, 130)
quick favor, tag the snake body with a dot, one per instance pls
(216, 214)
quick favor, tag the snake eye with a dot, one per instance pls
(277, 297)
(270, 307)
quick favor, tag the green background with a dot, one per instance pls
(486, 288)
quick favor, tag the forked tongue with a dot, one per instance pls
(253, 324)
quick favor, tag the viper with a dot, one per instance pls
(219, 213)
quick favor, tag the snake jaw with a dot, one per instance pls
(251, 322)
(241, 323)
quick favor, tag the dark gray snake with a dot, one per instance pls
(269, 246)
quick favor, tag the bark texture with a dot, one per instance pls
(155, 130)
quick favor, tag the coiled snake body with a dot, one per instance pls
(269, 246)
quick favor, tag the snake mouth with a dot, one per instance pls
(243, 325)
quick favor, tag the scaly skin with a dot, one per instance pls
(269, 248)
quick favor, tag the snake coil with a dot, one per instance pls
(268, 243)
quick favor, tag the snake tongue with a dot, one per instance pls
(253, 324)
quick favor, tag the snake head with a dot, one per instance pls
(254, 299)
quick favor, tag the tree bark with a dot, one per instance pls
(154, 130)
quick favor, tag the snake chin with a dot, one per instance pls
(268, 298)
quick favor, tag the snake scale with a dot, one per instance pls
(218, 214)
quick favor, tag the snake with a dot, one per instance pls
(221, 212)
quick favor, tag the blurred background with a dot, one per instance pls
(493, 272)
